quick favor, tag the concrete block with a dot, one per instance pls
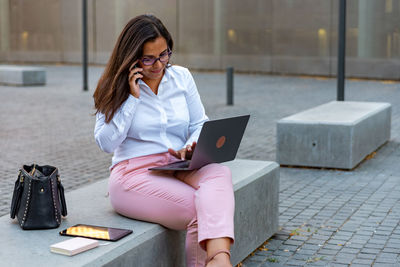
(333, 135)
(256, 185)
(22, 75)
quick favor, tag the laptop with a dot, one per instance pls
(219, 141)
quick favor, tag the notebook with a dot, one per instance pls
(219, 141)
(74, 246)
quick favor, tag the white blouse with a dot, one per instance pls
(153, 123)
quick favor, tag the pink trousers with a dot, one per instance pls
(200, 201)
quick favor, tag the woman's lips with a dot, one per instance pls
(156, 71)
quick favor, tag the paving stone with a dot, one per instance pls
(286, 247)
(343, 260)
(350, 250)
(313, 241)
(264, 253)
(370, 251)
(390, 244)
(282, 253)
(327, 252)
(390, 250)
(362, 261)
(276, 259)
(366, 256)
(295, 263)
(333, 247)
(296, 243)
(376, 246)
(298, 238)
(393, 240)
(271, 264)
(354, 245)
(359, 239)
(388, 258)
(306, 252)
(249, 263)
(257, 258)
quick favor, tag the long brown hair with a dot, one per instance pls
(113, 87)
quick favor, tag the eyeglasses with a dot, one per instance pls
(164, 57)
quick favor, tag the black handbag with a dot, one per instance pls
(38, 199)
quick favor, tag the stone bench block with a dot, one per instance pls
(22, 75)
(256, 185)
(333, 135)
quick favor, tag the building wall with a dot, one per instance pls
(273, 36)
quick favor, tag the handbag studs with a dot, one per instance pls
(27, 204)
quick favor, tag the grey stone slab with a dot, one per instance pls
(374, 246)
(256, 185)
(360, 265)
(332, 247)
(334, 135)
(294, 262)
(366, 256)
(273, 243)
(327, 252)
(374, 251)
(294, 242)
(257, 258)
(390, 250)
(264, 253)
(271, 264)
(283, 253)
(343, 260)
(22, 75)
(315, 241)
(306, 252)
(390, 244)
(249, 263)
(290, 248)
(388, 257)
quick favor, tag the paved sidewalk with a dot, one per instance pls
(327, 217)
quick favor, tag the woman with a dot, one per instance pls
(149, 113)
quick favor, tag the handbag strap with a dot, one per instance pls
(16, 199)
(62, 197)
(28, 198)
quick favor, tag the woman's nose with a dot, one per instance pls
(158, 64)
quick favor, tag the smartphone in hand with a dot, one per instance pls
(133, 67)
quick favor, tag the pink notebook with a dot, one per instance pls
(74, 246)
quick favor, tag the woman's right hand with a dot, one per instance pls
(134, 74)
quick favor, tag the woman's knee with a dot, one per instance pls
(218, 171)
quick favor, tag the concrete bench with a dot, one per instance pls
(22, 75)
(256, 185)
(334, 135)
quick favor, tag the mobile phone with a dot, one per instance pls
(96, 232)
(135, 66)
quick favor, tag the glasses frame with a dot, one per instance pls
(154, 60)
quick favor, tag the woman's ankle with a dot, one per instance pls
(221, 260)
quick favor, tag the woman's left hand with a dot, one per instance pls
(184, 153)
